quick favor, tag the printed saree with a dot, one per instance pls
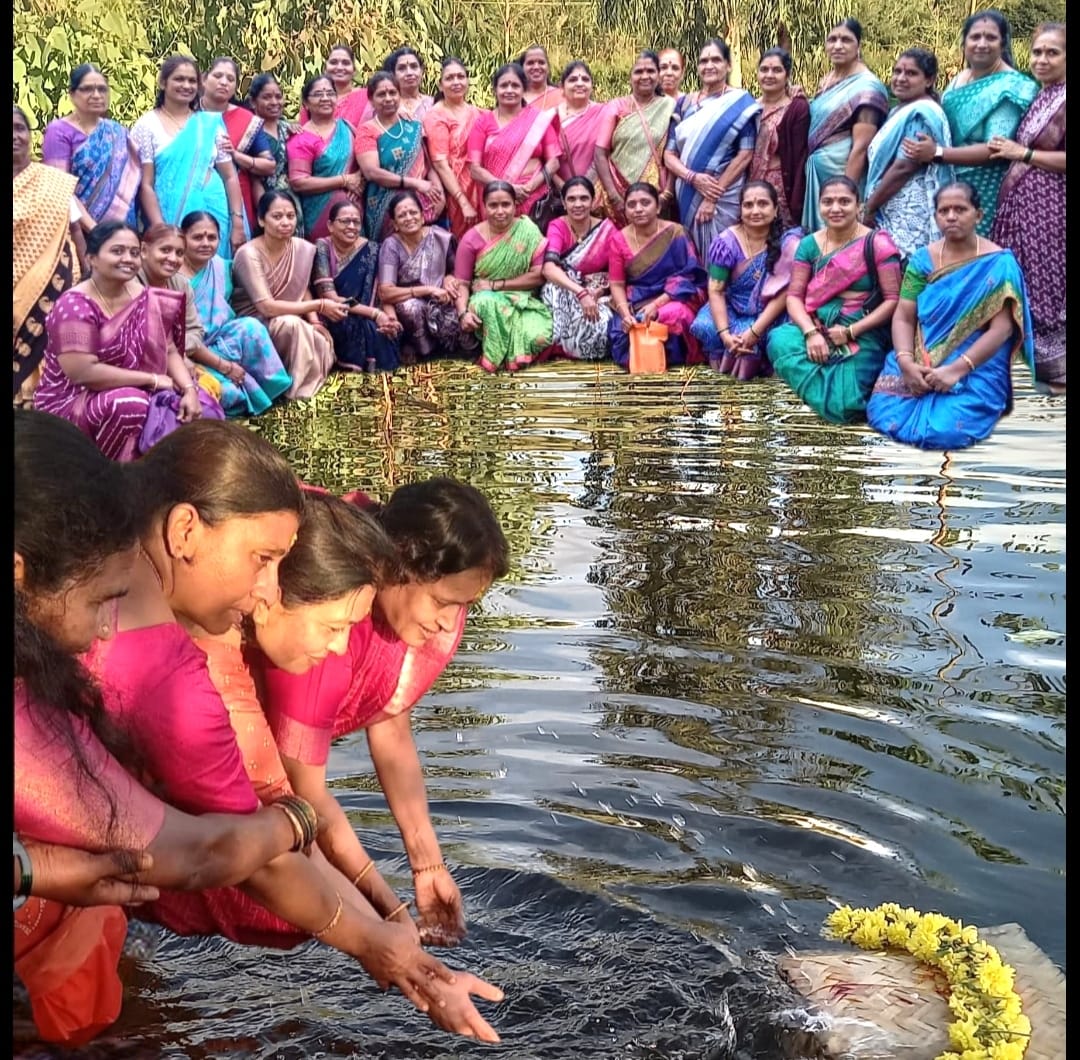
(953, 306)
(635, 137)
(401, 151)
(105, 164)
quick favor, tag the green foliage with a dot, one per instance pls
(128, 39)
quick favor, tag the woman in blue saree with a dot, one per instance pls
(850, 105)
(186, 164)
(986, 99)
(900, 193)
(844, 287)
(655, 274)
(963, 315)
(710, 147)
(347, 269)
(94, 149)
(391, 153)
(246, 363)
(749, 271)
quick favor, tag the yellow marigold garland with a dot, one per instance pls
(988, 1023)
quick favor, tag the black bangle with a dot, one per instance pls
(26, 869)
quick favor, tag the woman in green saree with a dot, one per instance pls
(499, 271)
(845, 285)
(988, 98)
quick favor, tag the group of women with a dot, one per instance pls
(390, 227)
(192, 631)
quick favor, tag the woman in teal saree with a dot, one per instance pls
(986, 99)
(845, 284)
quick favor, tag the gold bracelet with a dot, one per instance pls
(436, 866)
(333, 922)
(363, 872)
(968, 361)
(390, 916)
(904, 353)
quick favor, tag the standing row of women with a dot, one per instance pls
(198, 625)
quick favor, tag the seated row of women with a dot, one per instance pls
(191, 632)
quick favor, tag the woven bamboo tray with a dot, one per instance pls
(884, 1006)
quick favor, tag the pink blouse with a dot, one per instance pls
(473, 245)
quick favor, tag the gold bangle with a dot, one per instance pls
(904, 353)
(436, 866)
(333, 922)
(968, 361)
(390, 916)
(363, 872)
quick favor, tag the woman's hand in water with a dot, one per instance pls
(441, 912)
(458, 1013)
(392, 957)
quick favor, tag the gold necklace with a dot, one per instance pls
(843, 242)
(959, 261)
(750, 243)
(176, 124)
(105, 303)
(635, 245)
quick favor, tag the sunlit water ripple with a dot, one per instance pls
(746, 663)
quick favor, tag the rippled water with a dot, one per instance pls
(745, 663)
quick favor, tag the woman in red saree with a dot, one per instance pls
(251, 149)
(451, 547)
(75, 548)
(447, 126)
(513, 142)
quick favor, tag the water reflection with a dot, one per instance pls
(746, 664)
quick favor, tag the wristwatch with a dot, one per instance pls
(939, 152)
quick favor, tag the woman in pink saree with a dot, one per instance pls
(580, 120)
(111, 344)
(513, 142)
(451, 547)
(75, 547)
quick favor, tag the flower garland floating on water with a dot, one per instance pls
(988, 1023)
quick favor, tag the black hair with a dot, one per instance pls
(535, 48)
(220, 468)
(778, 53)
(310, 84)
(776, 229)
(926, 62)
(168, 68)
(1002, 24)
(402, 196)
(575, 64)
(21, 113)
(342, 48)
(377, 79)
(493, 186)
(74, 510)
(844, 181)
(190, 220)
(852, 24)
(339, 549)
(101, 233)
(645, 186)
(509, 68)
(340, 205)
(968, 189)
(391, 61)
(258, 83)
(79, 74)
(268, 198)
(578, 182)
(442, 527)
(448, 60)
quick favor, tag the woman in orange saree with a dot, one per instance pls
(447, 126)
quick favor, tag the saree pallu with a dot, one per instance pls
(428, 328)
(45, 264)
(748, 289)
(516, 151)
(186, 176)
(990, 106)
(780, 153)
(307, 355)
(242, 127)
(578, 139)
(838, 389)
(1031, 223)
(908, 216)
(107, 167)
(325, 158)
(136, 338)
(954, 305)
(401, 151)
(636, 145)
(358, 346)
(242, 340)
(832, 115)
(667, 264)
(447, 138)
(516, 324)
(585, 263)
(708, 132)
